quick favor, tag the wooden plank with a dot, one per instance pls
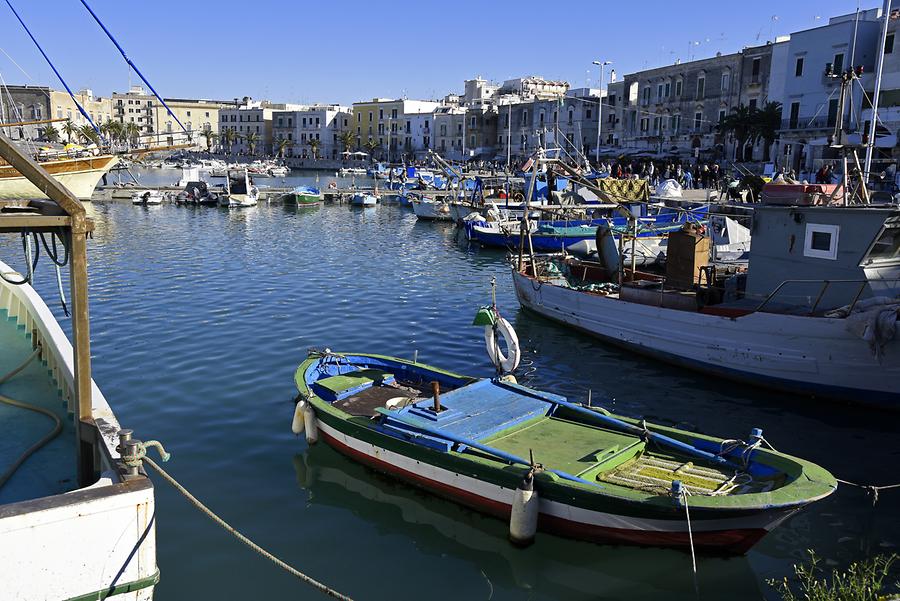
(19, 221)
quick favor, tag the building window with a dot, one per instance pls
(646, 96)
(380, 114)
(889, 44)
(721, 115)
(795, 115)
(798, 67)
(659, 91)
(832, 112)
(393, 113)
(752, 104)
(726, 81)
(668, 90)
(754, 70)
(701, 87)
(821, 241)
(698, 119)
(587, 114)
(838, 64)
(188, 113)
(678, 86)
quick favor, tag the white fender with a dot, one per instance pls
(297, 422)
(523, 518)
(501, 361)
(312, 427)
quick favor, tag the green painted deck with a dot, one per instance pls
(52, 469)
(560, 444)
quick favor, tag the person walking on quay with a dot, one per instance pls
(687, 179)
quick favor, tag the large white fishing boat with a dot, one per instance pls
(76, 522)
(815, 313)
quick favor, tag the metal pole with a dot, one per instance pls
(599, 113)
(870, 146)
(508, 137)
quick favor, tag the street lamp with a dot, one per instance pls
(600, 109)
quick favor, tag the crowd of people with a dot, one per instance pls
(699, 176)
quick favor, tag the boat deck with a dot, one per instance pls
(52, 469)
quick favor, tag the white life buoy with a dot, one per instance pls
(501, 361)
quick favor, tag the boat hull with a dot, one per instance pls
(79, 175)
(431, 210)
(813, 356)
(726, 536)
(303, 200)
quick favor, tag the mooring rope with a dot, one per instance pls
(57, 427)
(873, 490)
(231, 530)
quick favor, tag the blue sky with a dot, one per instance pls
(348, 50)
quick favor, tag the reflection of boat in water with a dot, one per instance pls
(554, 568)
(80, 175)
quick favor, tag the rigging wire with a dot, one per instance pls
(55, 71)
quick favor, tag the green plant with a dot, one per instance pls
(861, 581)
(314, 144)
(346, 139)
(252, 139)
(281, 146)
(50, 133)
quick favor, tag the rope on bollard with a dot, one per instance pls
(231, 530)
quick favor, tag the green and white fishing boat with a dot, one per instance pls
(544, 462)
(304, 196)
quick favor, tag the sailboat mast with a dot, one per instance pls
(879, 66)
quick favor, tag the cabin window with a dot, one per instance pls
(886, 248)
(821, 241)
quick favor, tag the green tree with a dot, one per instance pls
(252, 139)
(50, 133)
(70, 129)
(314, 144)
(372, 145)
(282, 145)
(210, 136)
(766, 123)
(132, 133)
(346, 138)
(89, 135)
(229, 136)
(739, 122)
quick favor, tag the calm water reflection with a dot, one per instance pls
(200, 317)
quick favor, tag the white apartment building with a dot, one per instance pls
(311, 131)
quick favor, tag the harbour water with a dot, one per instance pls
(201, 315)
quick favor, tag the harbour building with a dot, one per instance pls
(380, 126)
(310, 132)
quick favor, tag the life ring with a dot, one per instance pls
(518, 197)
(501, 361)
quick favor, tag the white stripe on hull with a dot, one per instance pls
(492, 492)
(811, 351)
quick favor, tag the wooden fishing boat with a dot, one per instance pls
(589, 474)
(80, 175)
(304, 196)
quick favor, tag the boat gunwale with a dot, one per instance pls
(799, 472)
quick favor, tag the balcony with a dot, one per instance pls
(808, 124)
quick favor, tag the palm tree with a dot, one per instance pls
(252, 139)
(314, 144)
(210, 137)
(766, 123)
(70, 129)
(229, 136)
(89, 135)
(132, 133)
(371, 145)
(282, 145)
(740, 123)
(346, 139)
(50, 133)
(116, 130)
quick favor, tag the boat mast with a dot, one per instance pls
(879, 66)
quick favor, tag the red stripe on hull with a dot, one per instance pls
(737, 541)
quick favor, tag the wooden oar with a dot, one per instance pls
(619, 424)
(414, 423)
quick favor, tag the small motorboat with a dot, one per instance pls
(239, 190)
(148, 197)
(303, 196)
(363, 200)
(197, 193)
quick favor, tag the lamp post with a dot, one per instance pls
(600, 109)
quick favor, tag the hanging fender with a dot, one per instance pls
(501, 361)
